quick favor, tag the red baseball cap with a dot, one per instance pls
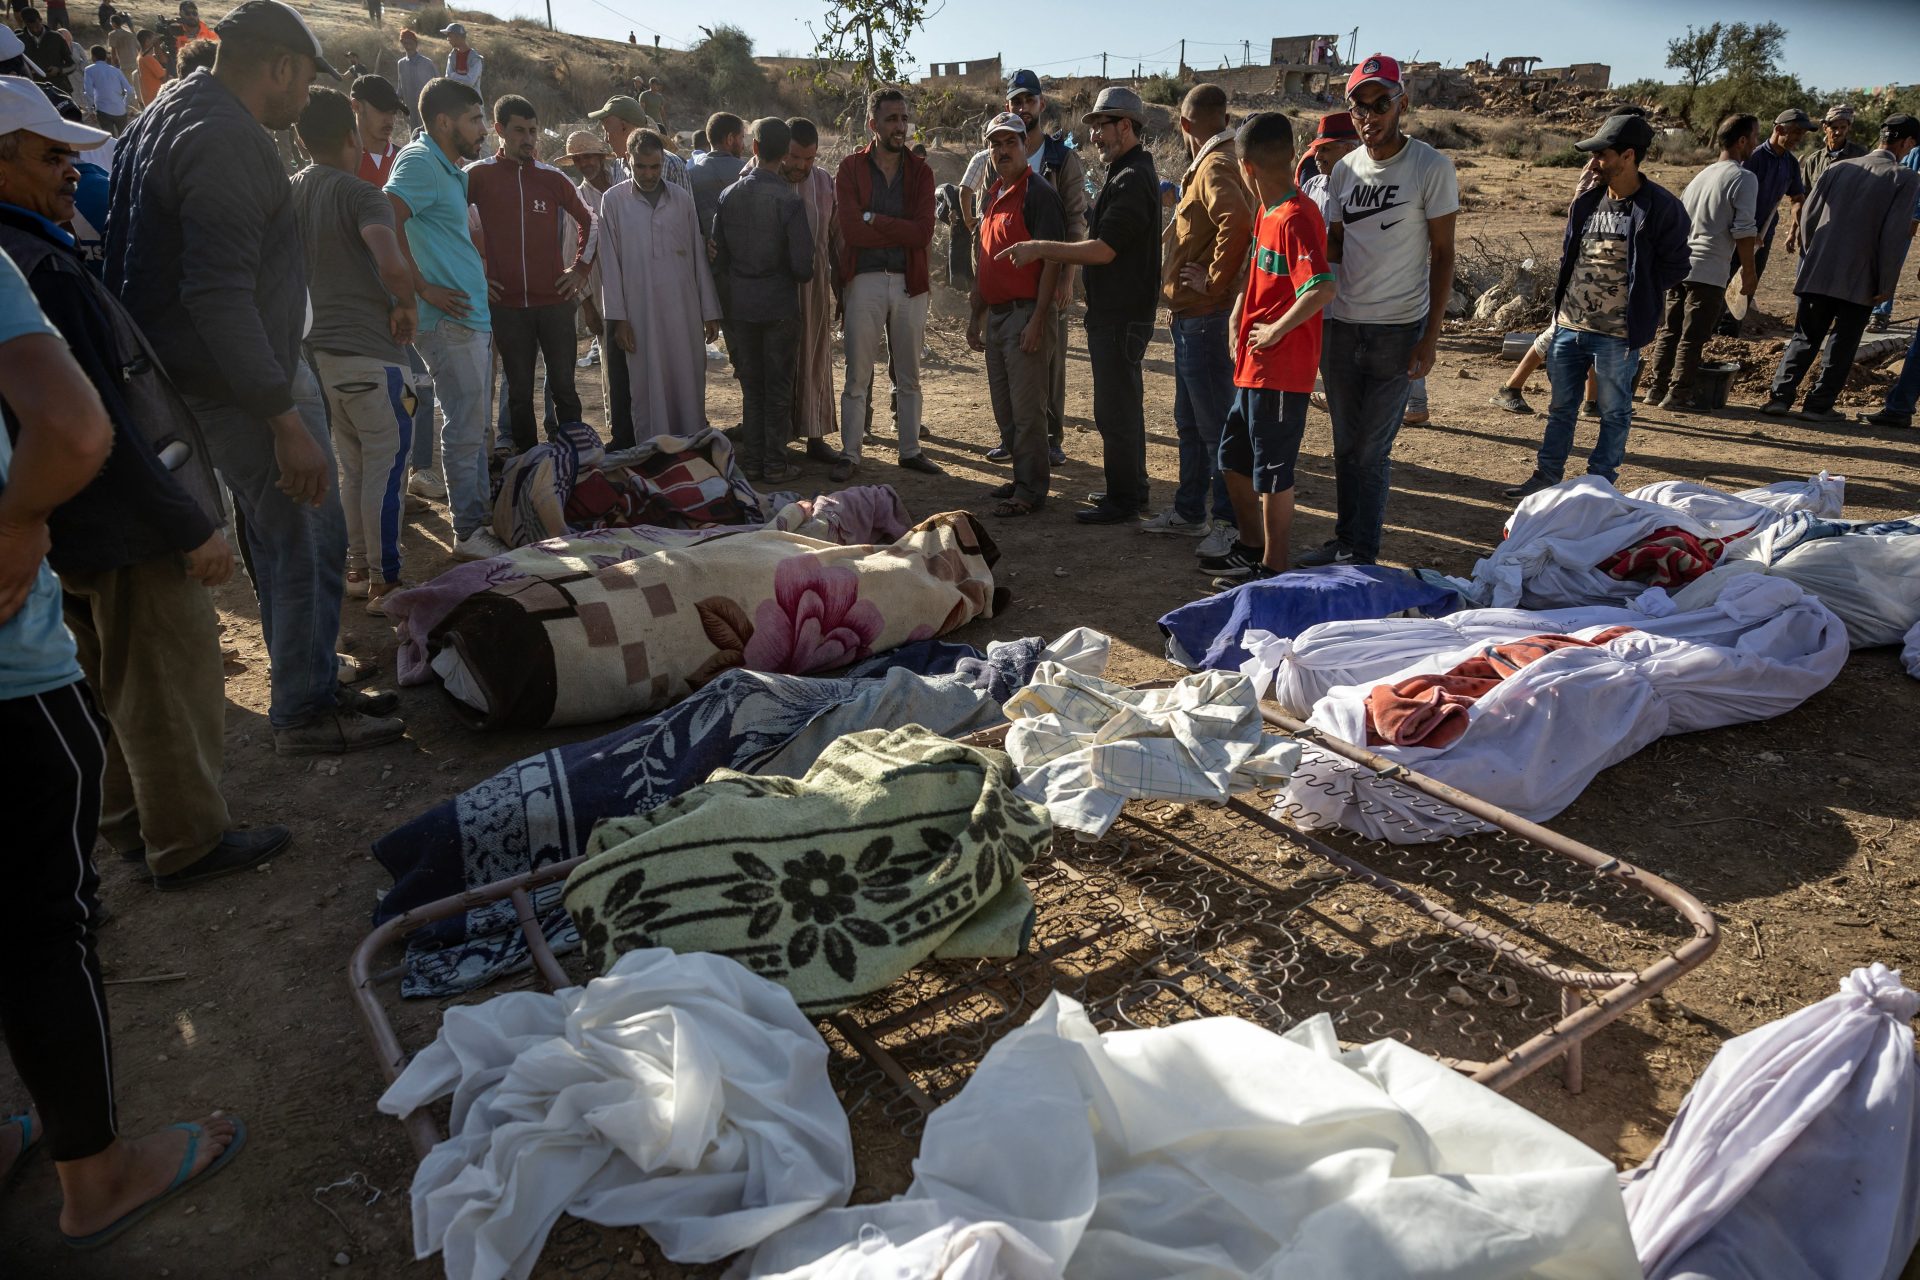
(1337, 127)
(1377, 69)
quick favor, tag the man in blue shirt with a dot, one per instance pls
(429, 194)
(1776, 169)
(55, 1006)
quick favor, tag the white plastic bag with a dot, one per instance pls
(1797, 1154)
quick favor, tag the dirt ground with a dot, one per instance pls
(1801, 833)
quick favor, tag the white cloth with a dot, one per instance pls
(1385, 208)
(952, 1250)
(1556, 537)
(1215, 1148)
(1297, 673)
(653, 273)
(1797, 1154)
(1533, 744)
(678, 1093)
(1084, 746)
(1872, 581)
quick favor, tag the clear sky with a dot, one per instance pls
(1830, 43)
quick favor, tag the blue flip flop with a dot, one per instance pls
(29, 1139)
(182, 1179)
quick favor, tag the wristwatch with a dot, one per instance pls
(867, 216)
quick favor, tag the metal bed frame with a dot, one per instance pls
(1497, 952)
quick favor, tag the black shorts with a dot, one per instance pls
(1261, 437)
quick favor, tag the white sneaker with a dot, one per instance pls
(1169, 521)
(1217, 543)
(479, 545)
(592, 357)
(427, 484)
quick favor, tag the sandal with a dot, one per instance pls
(1014, 507)
(182, 1180)
(29, 1139)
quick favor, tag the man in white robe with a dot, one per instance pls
(816, 410)
(657, 293)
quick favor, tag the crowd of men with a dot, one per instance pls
(182, 324)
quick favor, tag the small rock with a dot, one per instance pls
(1771, 757)
(163, 1057)
(1465, 372)
(1462, 997)
(1059, 572)
(190, 1210)
(216, 1228)
(341, 1259)
(1845, 782)
(1741, 997)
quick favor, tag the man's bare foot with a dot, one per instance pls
(102, 1189)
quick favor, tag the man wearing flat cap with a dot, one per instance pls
(204, 249)
(1776, 171)
(1121, 257)
(1855, 229)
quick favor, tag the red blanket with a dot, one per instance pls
(1667, 557)
(1431, 711)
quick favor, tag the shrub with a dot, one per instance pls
(1565, 158)
(1168, 91)
(725, 65)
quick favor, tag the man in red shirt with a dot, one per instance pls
(1276, 327)
(532, 296)
(1011, 307)
(376, 110)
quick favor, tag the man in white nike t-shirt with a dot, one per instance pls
(1390, 216)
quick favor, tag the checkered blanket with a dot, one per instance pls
(573, 643)
(570, 484)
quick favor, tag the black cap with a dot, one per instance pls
(276, 24)
(1621, 133)
(1896, 127)
(1793, 118)
(378, 92)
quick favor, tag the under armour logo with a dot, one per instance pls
(539, 206)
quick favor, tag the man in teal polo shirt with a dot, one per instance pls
(428, 189)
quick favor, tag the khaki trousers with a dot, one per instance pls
(149, 642)
(1018, 383)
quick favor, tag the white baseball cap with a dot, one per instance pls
(1005, 122)
(25, 109)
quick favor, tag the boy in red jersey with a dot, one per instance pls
(1276, 327)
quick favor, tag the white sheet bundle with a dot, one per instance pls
(1760, 648)
(679, 1093)
(1084, 746)
(1797, 1154)
(1557, 536)
(1217, 1149)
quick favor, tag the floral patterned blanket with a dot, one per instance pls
(896, 845)
(582, 643)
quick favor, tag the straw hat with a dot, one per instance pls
(583, 143)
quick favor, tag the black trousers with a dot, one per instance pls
(1115, 349)
(613, 366)
(53, 1008)
(1817, 314)
(524, 335)
(1692, 311)
(763, 357)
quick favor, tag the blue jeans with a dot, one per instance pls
(1614, 365)
(425, 438)
(1202, 395)
(1364, 367)
(462, 363)
(296, 554)
(1906, 391)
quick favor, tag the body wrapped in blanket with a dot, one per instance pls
(574, 645)
(1535, 739)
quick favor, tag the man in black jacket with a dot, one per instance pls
(204, 250)
(47, 48)
(762, 254)
(137, 548)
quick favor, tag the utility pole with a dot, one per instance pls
(1246, 53)
(1183, 57)
(550, 25)
(1103, 66)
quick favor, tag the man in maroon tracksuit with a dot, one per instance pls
(533, 287)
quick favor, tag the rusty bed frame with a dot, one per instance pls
(1191, 910)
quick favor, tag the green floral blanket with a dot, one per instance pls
(897, 844)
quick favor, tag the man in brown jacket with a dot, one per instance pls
(1205, 260)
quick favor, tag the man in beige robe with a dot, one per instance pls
(816, 410)
(657, 293)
